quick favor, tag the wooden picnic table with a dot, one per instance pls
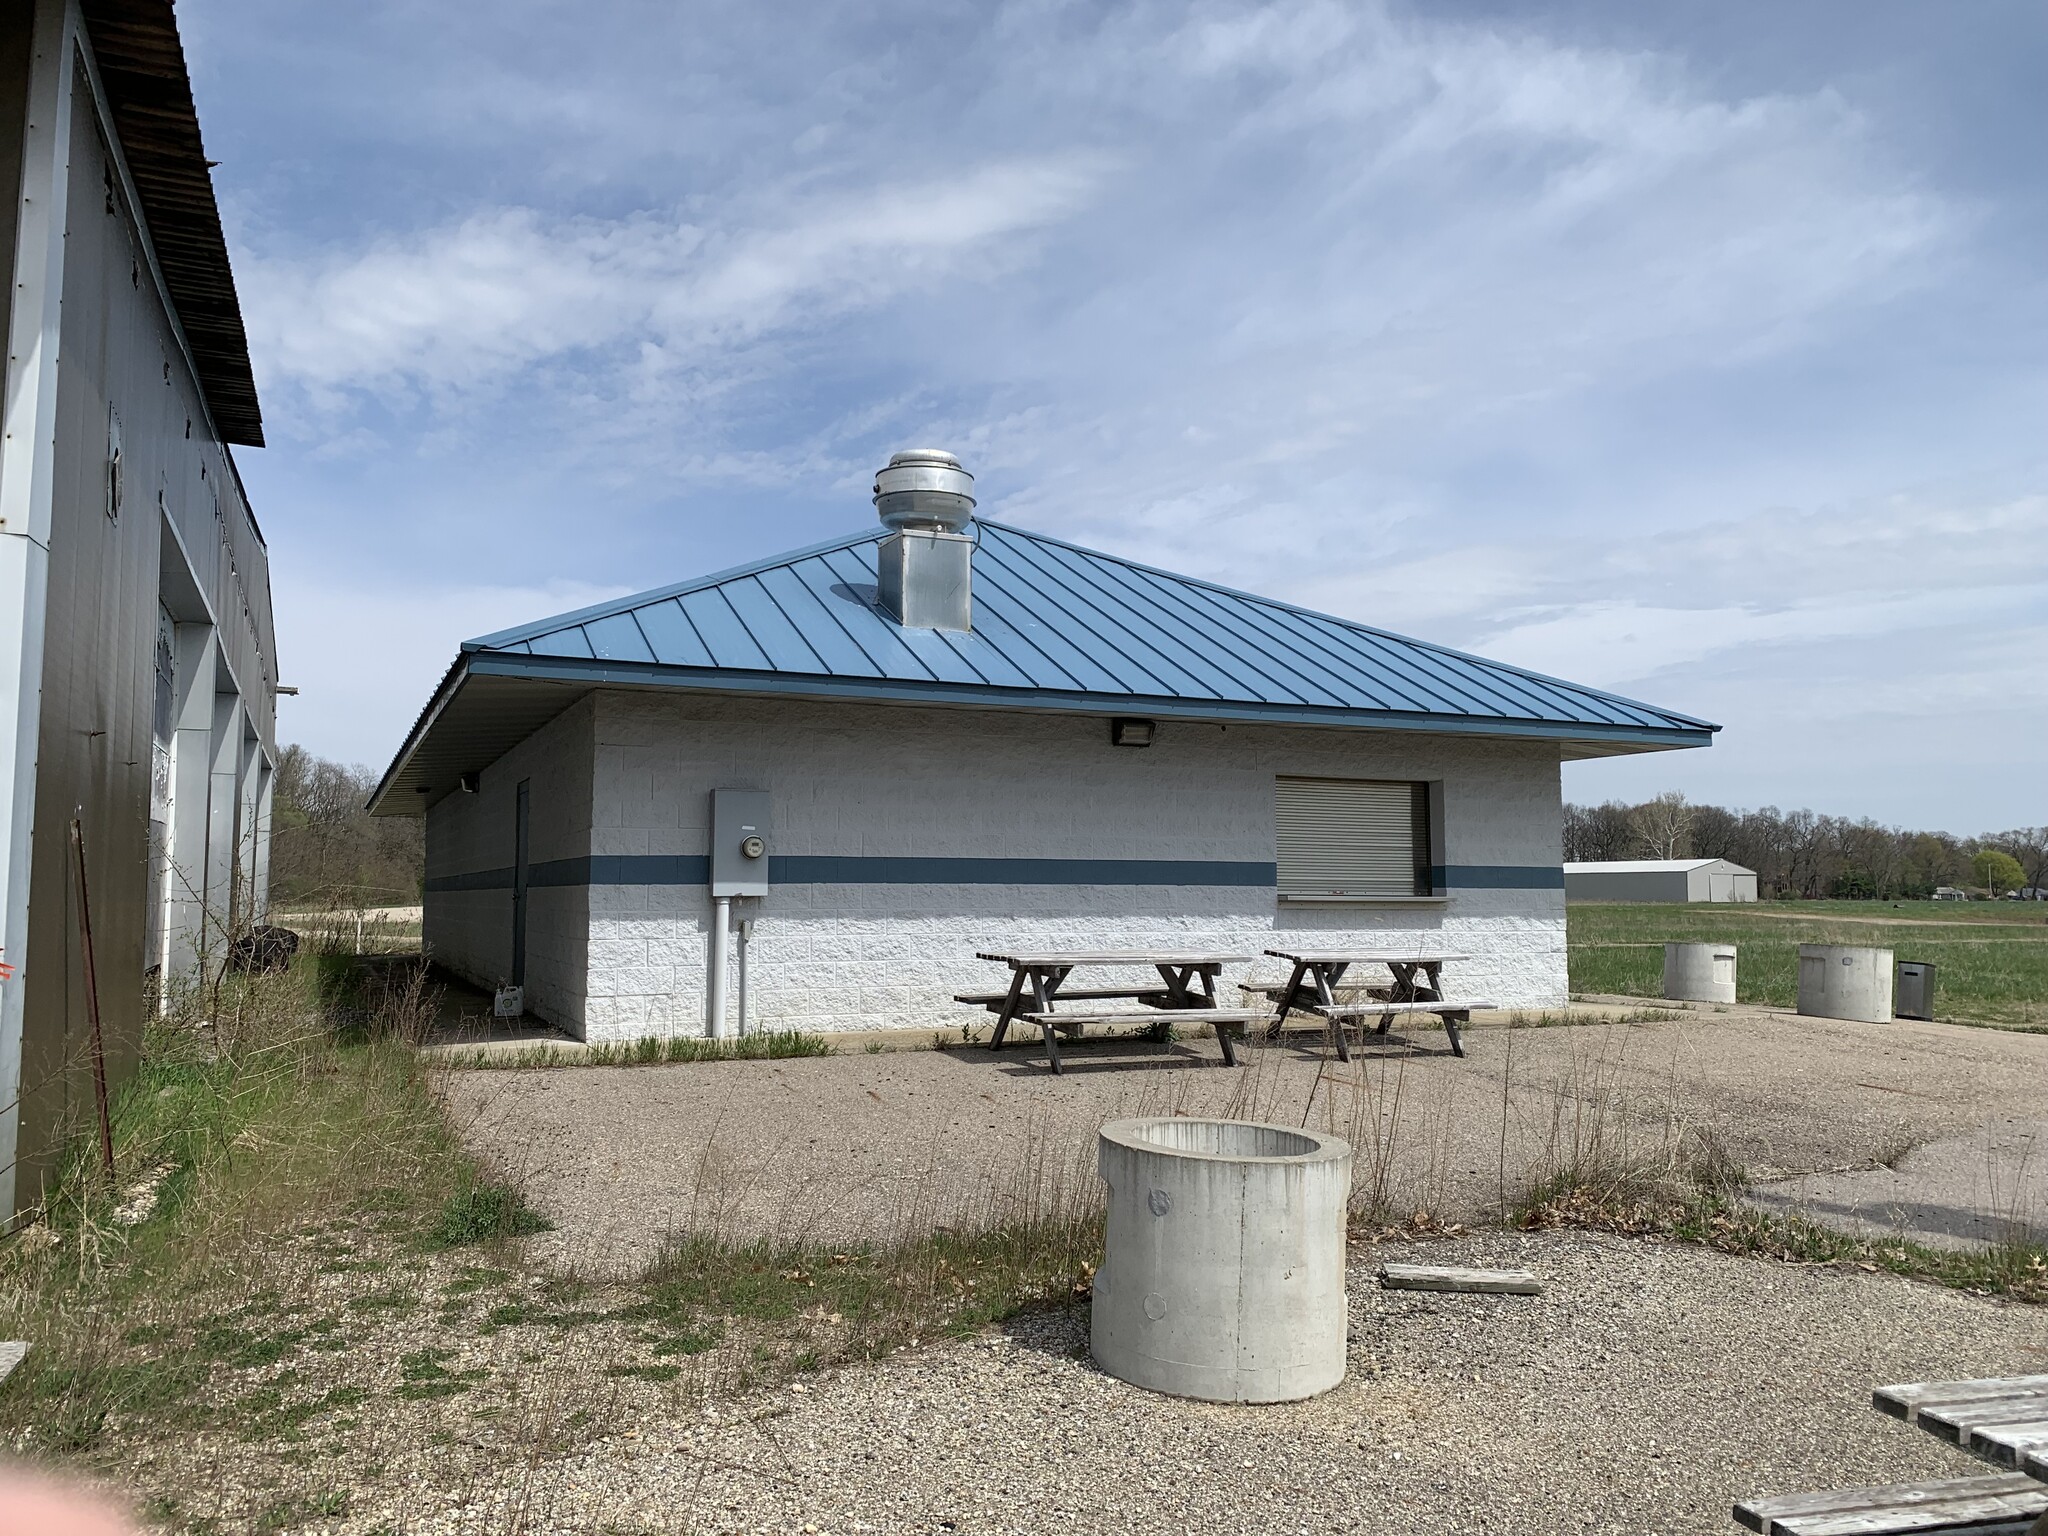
(2002, 1420)
(1417, 978)
(1186, 988)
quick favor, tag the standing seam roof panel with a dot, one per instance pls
(1395, 691)
(881, 638)
(1062, 649)
(1059, 618)
(1176, 601)
(618, 638)
(785, 646)
(1143, 614)
(837, 650)
(563, 642)
(1167, 678)
(1044, 657)
(671, 635)
(723, 632)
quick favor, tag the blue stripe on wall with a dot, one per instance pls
(835, 869)
(1498, 877)
(475, 880)
(801, 869)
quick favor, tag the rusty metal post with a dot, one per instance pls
(92, 1001)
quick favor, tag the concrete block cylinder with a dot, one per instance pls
(1223, 1267)
(1841, 981)
(1700, 973)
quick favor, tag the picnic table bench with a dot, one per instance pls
(2002, 1420)
(1186, 989)
(1416, 987)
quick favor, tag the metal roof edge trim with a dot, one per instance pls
(1338, 618)
(444, 694)
(522, 632)
(772, 684)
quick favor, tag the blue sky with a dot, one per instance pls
(1694, 351)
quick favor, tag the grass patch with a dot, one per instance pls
(862, 1302)
(271, 1113)
(648, 1051)
(483, 1211)
(1716, 1219)
(1992, 957)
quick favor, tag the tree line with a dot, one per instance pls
(1801, 854)
(327, 850)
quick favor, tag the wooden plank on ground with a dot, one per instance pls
(1429, 1277)
(1981, 1504)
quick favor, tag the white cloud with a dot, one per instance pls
(470, 305)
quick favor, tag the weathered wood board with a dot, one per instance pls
(1982, 1504)
(1492, 1282)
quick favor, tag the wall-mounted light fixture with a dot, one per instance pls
(1130, 733)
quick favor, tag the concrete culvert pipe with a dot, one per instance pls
(1842, 981)
(1699, 973)
(1223, 1266)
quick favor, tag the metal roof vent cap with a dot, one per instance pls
(926, 489)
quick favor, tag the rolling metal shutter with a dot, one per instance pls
(1351, 837)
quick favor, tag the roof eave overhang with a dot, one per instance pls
(139, 61)
(1577, 739)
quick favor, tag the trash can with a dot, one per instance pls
(1222, 1272)
(1915, 990)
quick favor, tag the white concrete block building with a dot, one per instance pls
(962, 736)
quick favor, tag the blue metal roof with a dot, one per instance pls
(1055, 623)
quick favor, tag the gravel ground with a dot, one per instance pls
(1649, 1389)
(843, 1146)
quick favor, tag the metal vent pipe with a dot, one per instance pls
(925, 567)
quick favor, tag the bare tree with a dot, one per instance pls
(327, 850)
(1795, 853)
(1663, 826)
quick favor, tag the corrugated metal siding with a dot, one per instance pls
(1050, 616)
(1351, 837)
(95, 744)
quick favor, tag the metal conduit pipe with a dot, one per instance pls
(746, 937)
(714, 982)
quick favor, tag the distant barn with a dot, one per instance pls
(1659, 880)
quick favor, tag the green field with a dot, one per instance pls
(1992, 956)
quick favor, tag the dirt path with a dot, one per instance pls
(1898, 922)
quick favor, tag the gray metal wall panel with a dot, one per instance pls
(94, 744)
(1655, 885)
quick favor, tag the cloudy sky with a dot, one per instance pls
(1698, 351)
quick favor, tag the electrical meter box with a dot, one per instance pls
(739, 842)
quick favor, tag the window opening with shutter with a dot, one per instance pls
(1352, 837)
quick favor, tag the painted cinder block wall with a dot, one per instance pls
(853, 782)
(470, 841)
